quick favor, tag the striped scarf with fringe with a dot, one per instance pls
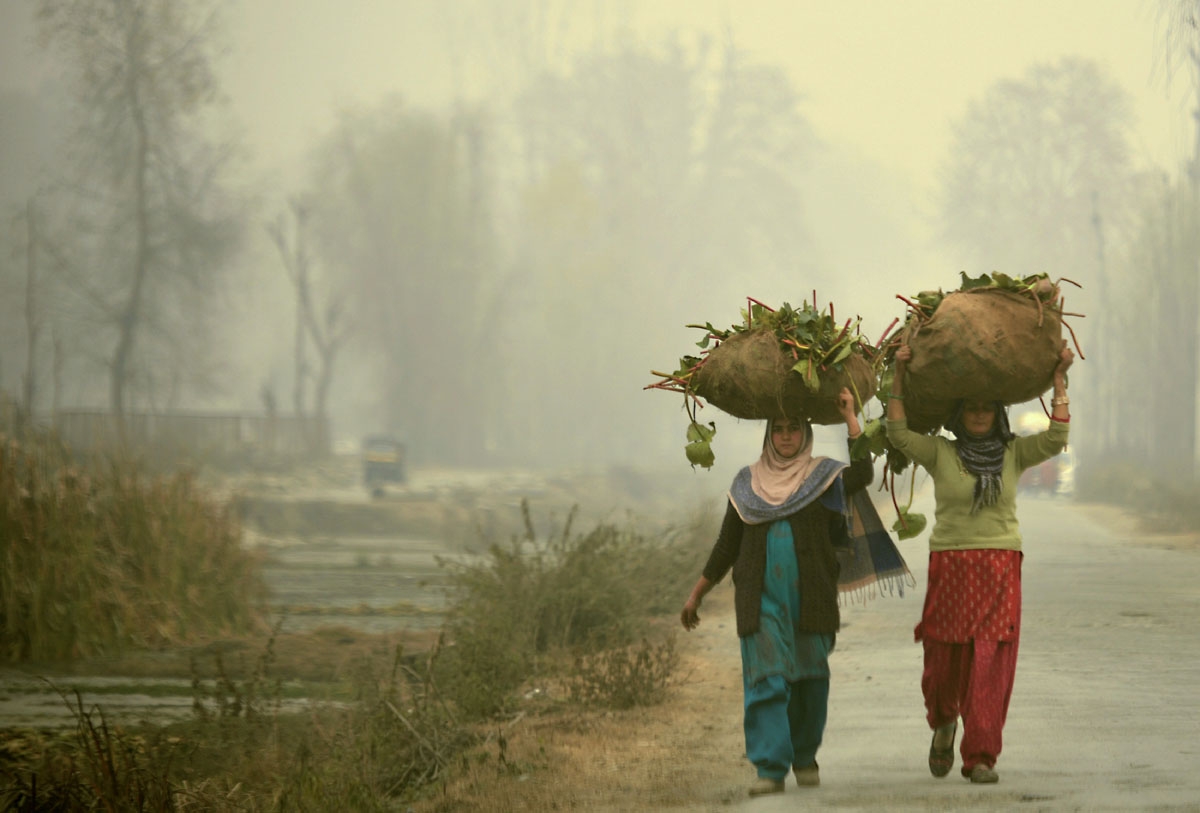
(982, 456)
(870, 562)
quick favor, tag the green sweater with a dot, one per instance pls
(995, 526)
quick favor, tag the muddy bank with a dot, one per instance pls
(417, 516)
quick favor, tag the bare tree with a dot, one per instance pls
(151, 227)
(1039, 179)
(1029, 163)
(33, 321)
(1177, 326)
(402, 219)
(652, 172)
(28, 132)
(1179, 44)
(320, 318)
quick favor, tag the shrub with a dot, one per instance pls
(396, 738)
(98, 556)
(580, 593)
(624, 677)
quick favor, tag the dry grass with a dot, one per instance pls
(685, 753)
(96, 557)
(163, 559)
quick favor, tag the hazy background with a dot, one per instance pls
(509, 210)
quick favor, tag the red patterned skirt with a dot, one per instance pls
(972, 594)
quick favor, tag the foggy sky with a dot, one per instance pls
(912, 65)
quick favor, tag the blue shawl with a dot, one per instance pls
(865, 550)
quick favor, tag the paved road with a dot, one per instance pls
(1105, 713)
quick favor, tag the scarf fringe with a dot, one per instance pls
(871, 564)
(871, 587)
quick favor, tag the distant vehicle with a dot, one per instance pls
(1056, 476)
(383, 462)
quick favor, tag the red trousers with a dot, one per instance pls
(972, 680)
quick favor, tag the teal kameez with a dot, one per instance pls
(785, 672)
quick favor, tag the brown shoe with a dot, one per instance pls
(983, 775)
(764, 785)
(807, 776)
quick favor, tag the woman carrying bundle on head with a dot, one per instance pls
(787, 517)
(971, 622)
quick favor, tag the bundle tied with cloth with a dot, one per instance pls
(793, 363)
(777, 362)
(997, 338)
(749, 376)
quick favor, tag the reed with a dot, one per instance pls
(97, 556)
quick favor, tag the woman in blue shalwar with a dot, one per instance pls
(786, 513)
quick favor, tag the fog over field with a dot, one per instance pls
(502, 214)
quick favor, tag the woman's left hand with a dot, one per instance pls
(1065, 359)
(848, 408)
(846, 404)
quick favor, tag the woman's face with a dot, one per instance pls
(788, 436)
(978, 416)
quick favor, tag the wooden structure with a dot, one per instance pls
(206, 434)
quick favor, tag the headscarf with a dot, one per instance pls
(775, 477)
(982, 456)
(775, 486)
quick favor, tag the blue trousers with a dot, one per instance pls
(784, 723)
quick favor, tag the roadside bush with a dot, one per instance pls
(398, 737)
(582, 593)
(624, 677)
(98, 556)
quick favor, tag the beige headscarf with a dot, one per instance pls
(773, 477)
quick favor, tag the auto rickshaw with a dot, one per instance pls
(383, 462)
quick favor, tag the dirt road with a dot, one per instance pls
(1104, 715)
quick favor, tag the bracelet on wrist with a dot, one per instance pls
(895, 395)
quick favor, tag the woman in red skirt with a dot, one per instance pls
(971, 623)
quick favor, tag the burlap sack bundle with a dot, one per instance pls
(983, 343)
(750, 377)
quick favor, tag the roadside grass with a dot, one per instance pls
(98, 556)
(537, 603)
(562, 630)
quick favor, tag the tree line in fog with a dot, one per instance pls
(485, 279)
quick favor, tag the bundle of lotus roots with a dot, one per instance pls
(997, 338)
(785, 362)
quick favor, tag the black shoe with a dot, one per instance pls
(941, 760)
(807, 775)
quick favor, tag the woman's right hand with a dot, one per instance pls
(690, 616)
(903, 356)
